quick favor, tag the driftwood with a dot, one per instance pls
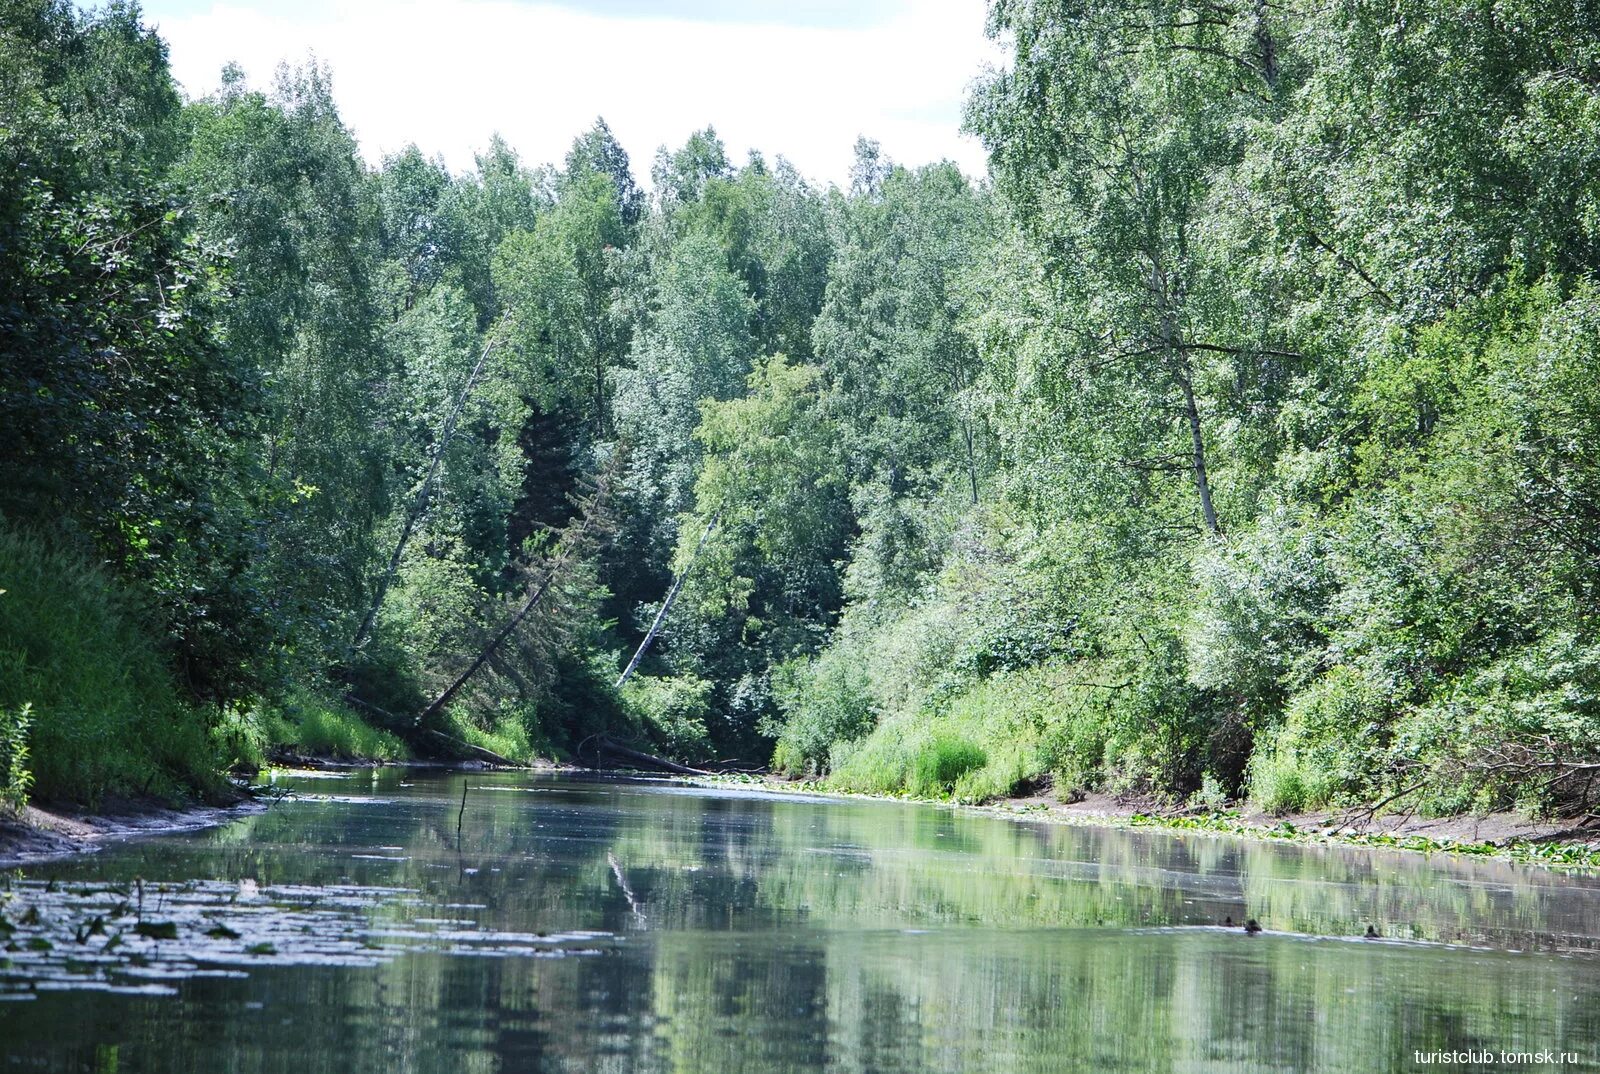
(476, 751)
(605, 744)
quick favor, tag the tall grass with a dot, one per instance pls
(80, 652)
(975, 746)
(331, 731)
(308, 724)
(508, 736)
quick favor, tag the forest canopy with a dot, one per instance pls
(1237, 436)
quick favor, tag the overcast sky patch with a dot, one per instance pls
(796, 80)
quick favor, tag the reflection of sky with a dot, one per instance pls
(796, 79)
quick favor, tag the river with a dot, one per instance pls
(372, 922)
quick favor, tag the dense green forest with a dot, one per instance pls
(1237, 436)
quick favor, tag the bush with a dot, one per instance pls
(240, 739)
(107, 717)
(1261, 602)
(673, 712)
(1332, 747)
(825, 701)
(1211, 796)
(1536, 705)
(1281, 783)
(15, 779)
(1157, 725)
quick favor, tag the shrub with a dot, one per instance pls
(825, 701)
(879, 764)
(15, 779)
(1280, 783)
(1074, 743)
(673, 712)
(1333, 746)
(1261, 601)
(1487, 736)
(998, 776)
(1157, 725)
(1211, 796)
(240, 739)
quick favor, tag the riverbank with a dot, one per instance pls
(45, 832)
(1508, 836)
(1556, 842)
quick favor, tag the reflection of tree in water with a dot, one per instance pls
(779, 935)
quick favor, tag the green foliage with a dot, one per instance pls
(1488, 732)
(672, 711)
(1239, 436)
(83, 654)
(15, 778)
(771, 481)
(307, 724)
(1283, 784)
(936, 763)
(508, 735)
(940, 763)
(1329, 750)
(242, 739)
(826, 701)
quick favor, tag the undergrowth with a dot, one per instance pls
(308, 725)
(79, 654)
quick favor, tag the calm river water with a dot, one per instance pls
(370, 923)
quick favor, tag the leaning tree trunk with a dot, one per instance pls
(666, 605)
(534, 597)
(570, 544)
(419, 505)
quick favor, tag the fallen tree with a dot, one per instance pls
(605, 744)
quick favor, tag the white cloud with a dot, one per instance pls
(447, 74)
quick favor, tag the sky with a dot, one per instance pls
(798, 79)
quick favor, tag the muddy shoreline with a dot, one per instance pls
(1496, 828)
(44, 833)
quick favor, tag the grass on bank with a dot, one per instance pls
(78, 660)
(508, 736)
(305, 725)
(981, 745)
(308, 725)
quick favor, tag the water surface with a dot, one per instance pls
(369, 923)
